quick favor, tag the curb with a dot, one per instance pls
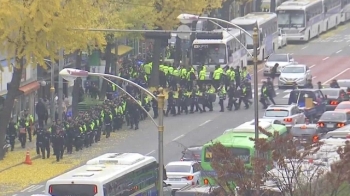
(18, 164)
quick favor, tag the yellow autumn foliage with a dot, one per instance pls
(168, 10)
(37, 29)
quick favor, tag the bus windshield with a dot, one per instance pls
(73, 189)
(249, 28)
(209, 54)
(291, 18)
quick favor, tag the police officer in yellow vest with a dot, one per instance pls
(244, 74)
(30, 123)
(191, 76)
(174, 78)
(217, 76)
(201, 76)
(183, 75)
(222, 96)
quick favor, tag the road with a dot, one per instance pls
(327, 57)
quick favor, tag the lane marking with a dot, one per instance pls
(260, 70)
(304, 47)
(314, 77)
(288, 91)
(338, 51)
(204, 123)
(24, 190)
(286, 96)
(150, 153)
(312, 66)
(14, 195)
(178, 137)
(325, 58)
(35, 188)
(336, 76)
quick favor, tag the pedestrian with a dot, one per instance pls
(22, 137)
(273, 72)
(58, 144)
(12, 133)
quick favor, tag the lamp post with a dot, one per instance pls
(71, 74)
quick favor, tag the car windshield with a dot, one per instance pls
(333, 116)
(178, 168)
(209, 54)
(343, 106)
(276, 113)
(193, 155)
(330, 92)
(293, 70)
(278, 58)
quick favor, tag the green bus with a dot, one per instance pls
(237, 140)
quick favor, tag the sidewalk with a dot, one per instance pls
(15, 176)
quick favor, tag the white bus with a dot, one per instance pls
(225, 49)
(111, 174)
(345, 11)
(268, 32)
(304, 20)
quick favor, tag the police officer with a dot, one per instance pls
(208, 102)
(108, 123)
(70, 137)
(309, 84)
(264, 95)
(195, 101)
(12, 133)
(182, 104)
(334, 84)
(46, 139)
(231, 92)
(30, 122)
(319, 85)
(134, 111)
(222, 96)
(270, 91)
(58, 144)
(39, 132)
(22, 137)
(154, 104)
(171, 104)
(242, 92)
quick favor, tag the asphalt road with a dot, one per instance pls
(327, 58)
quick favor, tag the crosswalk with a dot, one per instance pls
(33, 189)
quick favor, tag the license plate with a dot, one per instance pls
(289, 83)
(174, 179)
(330, 125)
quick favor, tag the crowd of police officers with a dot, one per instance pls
(188, 91)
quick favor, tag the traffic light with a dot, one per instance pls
(212, 35)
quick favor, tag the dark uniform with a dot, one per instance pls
(154, 104)
(12, 134)
(58, 144)
(171, 104)
(195, 101)
(23, 128)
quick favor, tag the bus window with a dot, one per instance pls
(73, 189)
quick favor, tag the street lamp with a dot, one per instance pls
(71, 74)
(189, 18)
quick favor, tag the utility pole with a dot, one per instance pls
(52, 91)
(60, 84)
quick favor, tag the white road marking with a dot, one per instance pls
(25, 190)
(312, 66)
(338, 51)
(288, 91)
(314, 77)
(286, 96)
(304, 47)
(150, 153)
(178, 137)
(14, 195)
(36, 187)
(260, 70)
(204, 123)
(336, 76)
(325, 58)
(277, 93)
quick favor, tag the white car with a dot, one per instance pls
(299, 74)
(182, 173)
(282, 59)
(282, 38)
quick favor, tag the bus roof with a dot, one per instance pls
(295, 4)
(249, 127)
(105, 171)
(227, 36)
(251, 18)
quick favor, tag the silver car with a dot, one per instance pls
(282, 60)
(289, 115)
(305, 133)
(291, 74)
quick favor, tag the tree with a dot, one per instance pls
(132, 14)
(285, 166)
(166, 12)
(31, 30)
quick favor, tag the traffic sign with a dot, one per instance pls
(183, 35)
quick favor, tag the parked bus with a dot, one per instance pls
(237, 140)
(226, 48)
(345, 11)
(107, 175)
(268, 32)
(304, 20)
